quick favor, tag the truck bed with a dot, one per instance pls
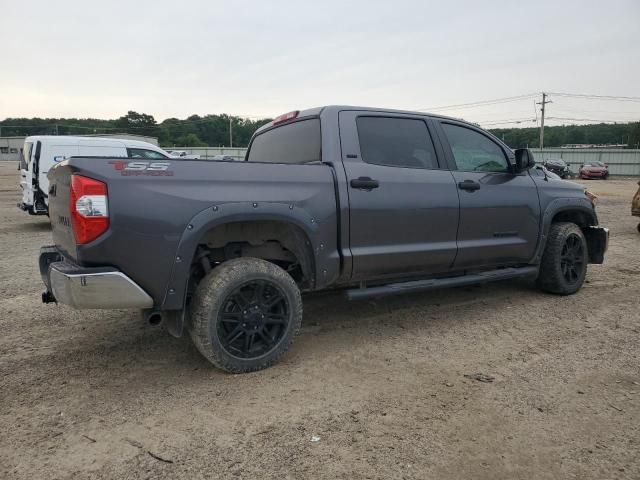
(151, 211)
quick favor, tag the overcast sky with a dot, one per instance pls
(84, 58)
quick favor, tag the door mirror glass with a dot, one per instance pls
(524, 160)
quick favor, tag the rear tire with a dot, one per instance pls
(245, 314)
(564, 262)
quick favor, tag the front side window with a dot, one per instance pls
(474, 152)
(143, 153)
(297, 142)
(396, 142)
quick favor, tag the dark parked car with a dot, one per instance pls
(594, 170)
(375, 202)
(557, 166)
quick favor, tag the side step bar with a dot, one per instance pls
(434, 283)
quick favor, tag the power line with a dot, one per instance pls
(590, 120)
(478, 104)
(508, 121)
(596, 97)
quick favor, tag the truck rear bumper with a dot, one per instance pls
(84, 288)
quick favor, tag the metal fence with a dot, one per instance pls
(621, 162)
(210, 152)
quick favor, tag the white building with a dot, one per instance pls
(11, 147)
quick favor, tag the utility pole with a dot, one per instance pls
(230, 133)
(543, 103)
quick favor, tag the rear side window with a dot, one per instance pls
(474, 152)
(396, 142)
(143, 153)
(297, 142)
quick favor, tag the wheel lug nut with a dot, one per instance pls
(244, 324)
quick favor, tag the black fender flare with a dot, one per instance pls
(555, 207)
(217, 215)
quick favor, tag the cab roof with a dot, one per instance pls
(335, 109)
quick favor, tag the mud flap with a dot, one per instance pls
(174, 320)
(597, 243)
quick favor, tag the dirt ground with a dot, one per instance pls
(372, 389)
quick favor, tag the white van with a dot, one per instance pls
(40, 153)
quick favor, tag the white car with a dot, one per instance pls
(183, 154)
(42, 152)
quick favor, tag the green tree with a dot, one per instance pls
(634, 135)
(139, 123)
(191, 140)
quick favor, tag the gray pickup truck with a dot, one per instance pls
(375, 202)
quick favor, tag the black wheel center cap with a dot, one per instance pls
(253, 318)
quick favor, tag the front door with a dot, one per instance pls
(403, 202)
(499, 210)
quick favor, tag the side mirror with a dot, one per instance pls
(524, 160)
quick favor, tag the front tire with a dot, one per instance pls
(245, 314)
(564, 262)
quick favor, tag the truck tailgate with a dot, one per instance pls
(59, 209)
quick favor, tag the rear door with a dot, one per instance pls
(499, 210)
(26, 173)
(403, 202)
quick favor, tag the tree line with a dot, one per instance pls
(597, 134)
(194, 131)
(213, 130)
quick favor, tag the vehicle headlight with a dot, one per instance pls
(592, 197)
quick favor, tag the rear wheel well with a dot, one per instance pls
(281, 243)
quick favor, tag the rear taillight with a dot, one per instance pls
(89, 208)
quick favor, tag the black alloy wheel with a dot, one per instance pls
(572, 259)
(563, 267)
(245, 314)
(253, 319)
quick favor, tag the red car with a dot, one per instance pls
(594, 170)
